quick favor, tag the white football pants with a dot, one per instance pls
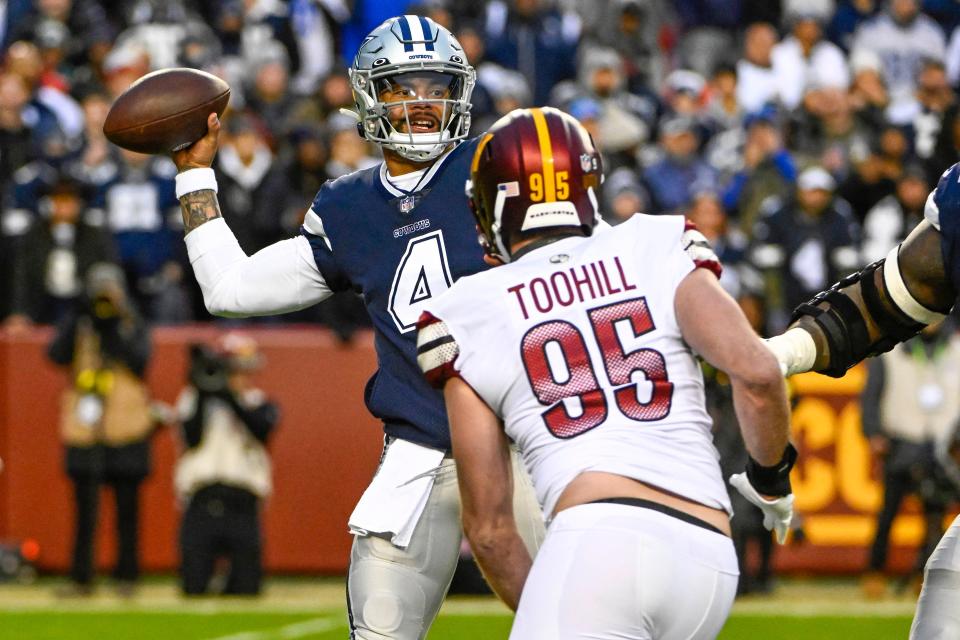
(938, 610)
(394, 593)
(618, 572)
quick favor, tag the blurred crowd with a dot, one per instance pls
(802, 136)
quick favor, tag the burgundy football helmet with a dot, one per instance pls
(535, 169)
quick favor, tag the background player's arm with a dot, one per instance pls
(486, 491)
(280, 278)
(715, 327)
(890, 318)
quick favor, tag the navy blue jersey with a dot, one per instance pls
(398, 251)
(946, 216)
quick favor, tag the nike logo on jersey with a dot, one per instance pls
(576, 284)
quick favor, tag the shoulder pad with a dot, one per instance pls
(699, 250)
(436, 350)
(945, 199)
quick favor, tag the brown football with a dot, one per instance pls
(165, 110)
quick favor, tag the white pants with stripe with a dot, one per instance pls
(938, 610)
(618, 572)
(395, 593)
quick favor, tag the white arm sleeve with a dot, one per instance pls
(277, 279)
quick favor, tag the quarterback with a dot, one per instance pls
(868, 313)
(399, 233)
(580, 349)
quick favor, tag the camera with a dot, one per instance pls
(208, 371)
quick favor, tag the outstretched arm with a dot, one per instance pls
(278, 279)
(871, 311)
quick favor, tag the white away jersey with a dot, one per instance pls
(576, 347)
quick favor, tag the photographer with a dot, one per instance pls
(224, 470)
(105, 419)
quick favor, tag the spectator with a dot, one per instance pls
(482, 113)
(348, 152)
(105, 422)
(529, 37)
(88, 31)
(587, 111)
(251, 184)
(827, 131)
(768, 170)
(808, 243)
(679, 171)
(888, 222)
(630, 28)
(903, 38)
(305, 172)
(728, 242)
(868, 93)
(875, 177)
(804, 59)
(685, 94)
(623, 196)
(222, 475)
(910, 402)
(158, 27)
(53, 258)
(122, 66)
(508, 90)
(22, 129)
(757, 82)
(315, 28)
(848, 17)
(269, 96)
(934, 98)
(947, 148)
(625, 119)
(24, 59)
(723, 111)
(142, 213)
(17, 12)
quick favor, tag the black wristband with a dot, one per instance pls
(775, 480)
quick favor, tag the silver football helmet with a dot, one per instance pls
(392, 59)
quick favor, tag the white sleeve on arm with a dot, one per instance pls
(277, 279)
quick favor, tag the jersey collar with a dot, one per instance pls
(392, 192)
(424, 183)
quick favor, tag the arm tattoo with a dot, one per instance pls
(198, 207)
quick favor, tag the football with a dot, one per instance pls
(165, 110)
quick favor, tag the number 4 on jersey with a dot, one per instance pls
(422, 274)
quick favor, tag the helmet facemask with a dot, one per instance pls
(395, 101)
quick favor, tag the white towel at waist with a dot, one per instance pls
(395, 499)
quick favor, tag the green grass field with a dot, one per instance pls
(313, 610)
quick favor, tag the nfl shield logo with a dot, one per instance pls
(407, 204)
(585, 162)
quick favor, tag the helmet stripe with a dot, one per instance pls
(427, 33)
(476, 154)
(546, 155)
(405, 32)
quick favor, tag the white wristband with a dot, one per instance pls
(795, 351)
(191, 180)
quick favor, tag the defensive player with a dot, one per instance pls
(581, 350)
(868, 313)
(400, 234)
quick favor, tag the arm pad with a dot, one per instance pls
(844, 326)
